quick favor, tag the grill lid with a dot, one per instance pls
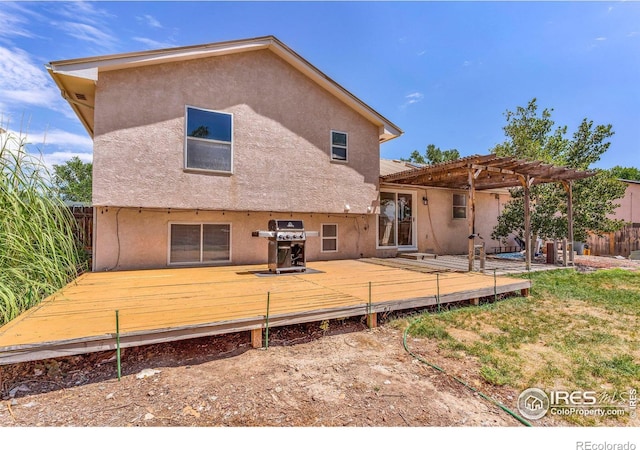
(286, 225)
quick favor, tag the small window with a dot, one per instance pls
(329, 237)
(459, 206)
(338, 146)
(208, 141)
(199, 243)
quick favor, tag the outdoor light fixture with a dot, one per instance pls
(425, 201)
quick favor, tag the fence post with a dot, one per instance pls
(118, 362)
(372, 318)
(438, 290)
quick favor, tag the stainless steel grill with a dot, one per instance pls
(287, 239)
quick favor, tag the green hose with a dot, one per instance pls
(440, 369)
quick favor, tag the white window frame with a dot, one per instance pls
(198, 263)
(187, 138)
(345, 147)
(459, 207)
(324, 238)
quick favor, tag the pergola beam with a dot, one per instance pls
(475, 173)
(454, 174)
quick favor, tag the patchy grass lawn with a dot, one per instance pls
(577, 331)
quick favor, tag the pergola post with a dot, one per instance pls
(526, 185)
(472, 218)
(568, 186)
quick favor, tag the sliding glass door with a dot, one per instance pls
(396, 222)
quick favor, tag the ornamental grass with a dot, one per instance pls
(38, 249)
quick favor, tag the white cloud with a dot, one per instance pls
(149, 20)
(59, 158)
(85, 21)
(601, 38)
(48, 160)
(9, 139)
(12, 140)
(24, 82)
(89, 33)
(633, 34)
(62, 142)
(61, 138)
(13, 25)
(88, 11)
(412, 98)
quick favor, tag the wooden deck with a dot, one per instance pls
(171, 304)
(460, 263)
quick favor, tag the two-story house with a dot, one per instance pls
(197, 147)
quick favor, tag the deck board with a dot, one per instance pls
(170, 304)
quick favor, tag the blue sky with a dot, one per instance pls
(444, 72)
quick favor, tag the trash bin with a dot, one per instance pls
(578, 247)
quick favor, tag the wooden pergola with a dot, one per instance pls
(482, 172)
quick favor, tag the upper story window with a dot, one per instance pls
(338, 146)
(459, 206)
(208, 140)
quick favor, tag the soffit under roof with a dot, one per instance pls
(391, 166)
(78, 76)
(489, 171)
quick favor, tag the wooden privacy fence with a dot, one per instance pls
(84, 229)
(621, 243)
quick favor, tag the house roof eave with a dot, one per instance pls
(66, 74)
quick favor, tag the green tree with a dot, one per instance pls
(531, 135)
(73, 180)
(625, 173)
(433, 155)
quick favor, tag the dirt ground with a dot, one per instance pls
(311, 375)
(344, 376)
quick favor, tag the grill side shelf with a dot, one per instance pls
(264, 234)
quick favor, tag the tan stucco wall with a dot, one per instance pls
(629, 209)
(132, 238)
(438, 232)
(282, 123)
(128, 238)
